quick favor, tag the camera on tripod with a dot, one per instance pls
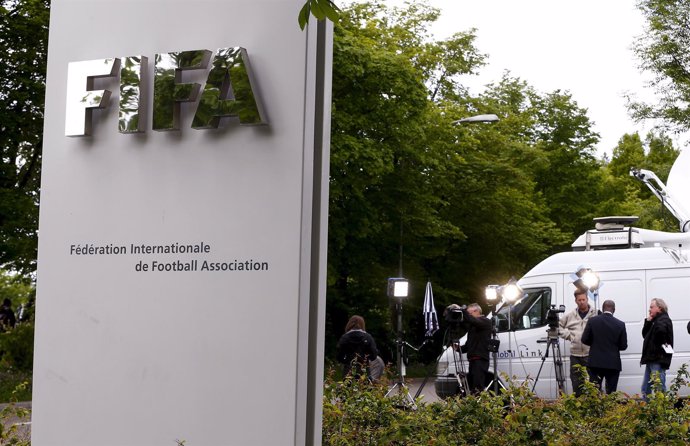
(454, 313)
(552, 317)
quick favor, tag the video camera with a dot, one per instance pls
(454, 313)
(552, 316)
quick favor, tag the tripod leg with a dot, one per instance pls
(495, 384)
(460, 373)
(543, 359)
(404, 393)
(558, 365)
(391, 389)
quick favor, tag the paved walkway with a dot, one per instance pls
(12, 418)
(428, 393)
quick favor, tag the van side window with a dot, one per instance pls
(528, 312)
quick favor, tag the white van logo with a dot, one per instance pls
(228, 91)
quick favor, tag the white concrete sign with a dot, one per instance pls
(183, 225)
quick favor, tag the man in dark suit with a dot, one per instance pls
(606, 337)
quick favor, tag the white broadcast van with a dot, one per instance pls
(634, 266)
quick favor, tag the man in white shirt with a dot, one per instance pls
(572, 325)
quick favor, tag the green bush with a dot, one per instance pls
(17, 347)
(357, 413)
(14, 386)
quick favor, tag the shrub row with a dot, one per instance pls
(17, 348)
(357, 413)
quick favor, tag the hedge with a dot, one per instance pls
(357, 413)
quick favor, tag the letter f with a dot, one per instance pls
(81, 98)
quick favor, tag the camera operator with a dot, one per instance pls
(477, 346)
(572, 325)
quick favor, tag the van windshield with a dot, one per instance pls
(528, 312)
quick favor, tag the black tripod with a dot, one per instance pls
(400, 345)
(553, 345)
(494, 344)
(454, 332)
(460, 376)
(460, 372)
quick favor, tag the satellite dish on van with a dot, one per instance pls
(678, 183)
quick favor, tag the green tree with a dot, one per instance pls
(493, 196)
(664, 52)
(23, 51)
(661, 154)
(569, 178)
(624, 195)
(629, 153)
(463, 206)
(382, 191)
(19, 290)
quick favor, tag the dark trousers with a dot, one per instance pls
(597, 375)
(476, 376)
(576, 373)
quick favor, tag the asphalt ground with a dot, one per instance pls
(427, 394)
(20, 424)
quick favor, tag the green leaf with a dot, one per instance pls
(304, 13)
(317, 9)
(320, 9)
(331, 9)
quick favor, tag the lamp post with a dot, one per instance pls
(398, 290)
(477, 118)
(469, 119)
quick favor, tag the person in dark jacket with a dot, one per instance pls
(477, 346)
(657, 347)
(7, 319)
(356, 350)
(606, 337)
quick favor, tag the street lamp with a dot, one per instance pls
(478, 118)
